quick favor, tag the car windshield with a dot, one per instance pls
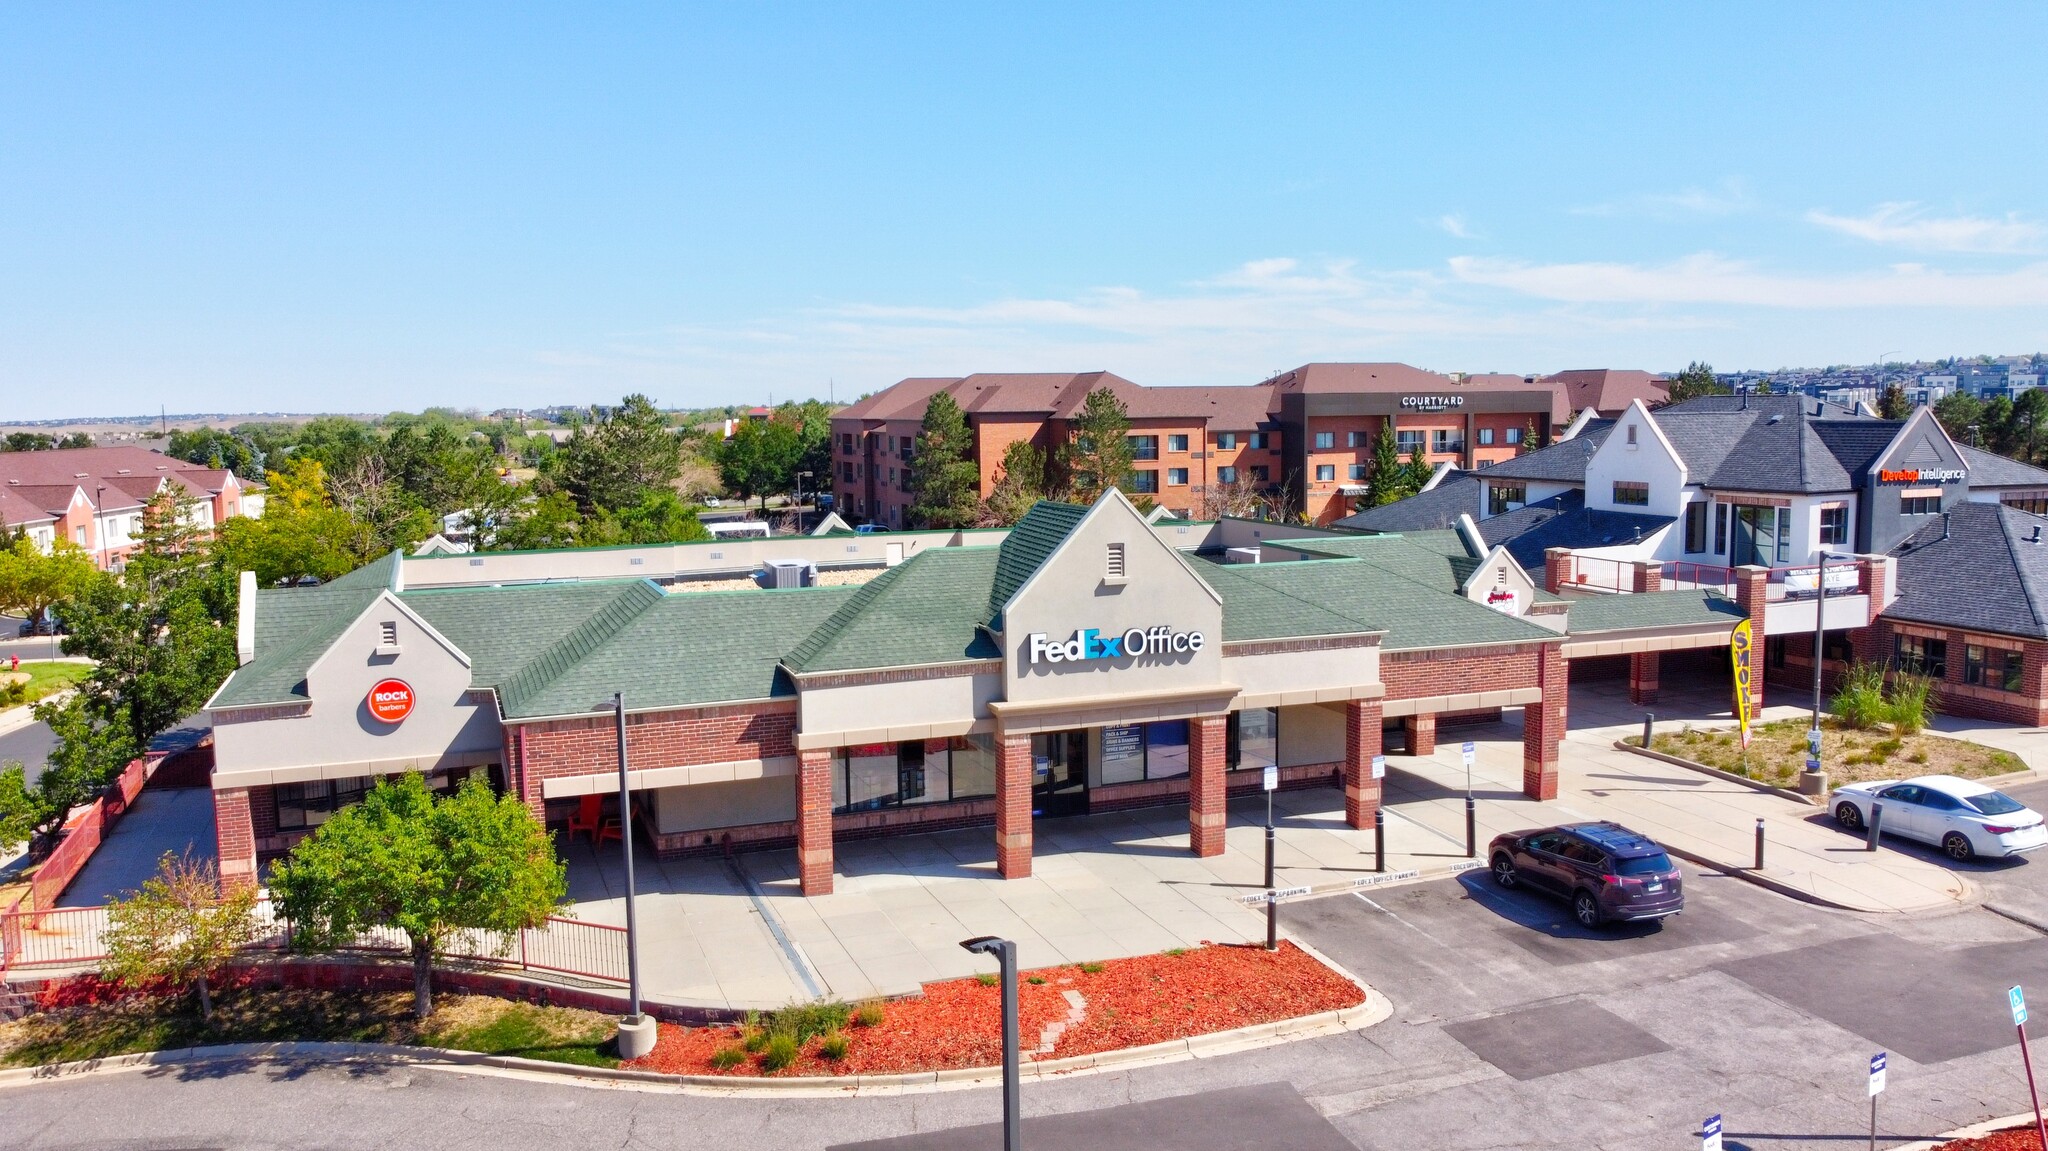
(1656, 864)
(1995, 803)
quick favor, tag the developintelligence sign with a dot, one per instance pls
(1089, 643)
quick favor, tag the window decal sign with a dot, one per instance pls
(390, 701)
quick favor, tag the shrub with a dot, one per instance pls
(1884, 749)
(833, 1047)
(1091, 968)
(781, 1052)
(726, 1058)
(754, 1039)
(1912, 703)
(985, 979)
(806, 1022)
(1918, 757)
(1859, 699)
(1036, 980)
(869, 1014)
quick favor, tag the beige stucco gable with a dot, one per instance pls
(1112, 586)
(1501, 584)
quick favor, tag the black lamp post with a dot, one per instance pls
(1005, 952)
(636, 1031)
(1820, 612)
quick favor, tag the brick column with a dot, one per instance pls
(235, 837)
(814, 820)
(1642, 677)
(1649, 575)
(1543, 726)
(1362, 721)
(1873, 575)
(1208, 815)
(1013, 807)
(1421, 731)
(1557, 569)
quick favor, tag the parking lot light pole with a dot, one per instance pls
(1810, 782)
(1005, 952)
(636, 1031)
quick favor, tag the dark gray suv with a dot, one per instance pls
(1607, 871)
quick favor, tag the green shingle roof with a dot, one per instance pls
(926, 611)
(1338, 596)
(1596, 613)
(1042, 530)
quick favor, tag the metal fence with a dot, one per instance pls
(72, 937)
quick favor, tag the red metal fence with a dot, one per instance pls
(71, 937)
(83, 837)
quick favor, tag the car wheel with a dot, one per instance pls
(1849, 816)
(1958, 846)
(1504, 871)
(1586, 909)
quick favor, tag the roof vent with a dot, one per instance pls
(2036, 537)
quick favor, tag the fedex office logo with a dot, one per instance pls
(1088, 643)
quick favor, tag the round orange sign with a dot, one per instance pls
(391, 701)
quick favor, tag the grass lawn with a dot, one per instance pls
(1777, 753)
(39, 679)
(255, 1015)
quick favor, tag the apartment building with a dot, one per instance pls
(94, 497)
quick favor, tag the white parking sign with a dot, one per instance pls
(1379, 767)
(1471, 751)
(1710, 1134)
(1876, 1074)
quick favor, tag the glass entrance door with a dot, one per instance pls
(1059, 773)
(1762, 536)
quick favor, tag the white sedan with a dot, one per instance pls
(1962, 818)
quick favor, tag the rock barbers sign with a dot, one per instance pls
(1089, 643)
(390, 701)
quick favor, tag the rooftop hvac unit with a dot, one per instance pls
(788, 573)
(1241, 555)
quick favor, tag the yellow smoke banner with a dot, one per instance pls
(1740, 646)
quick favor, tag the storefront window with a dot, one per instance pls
(878, 775)
(1145, 751)
(1254, 739)
(307, 805)
(1919, 656)
(1993, 667)
(1166, 749)
(974, 766)
(1123, 754)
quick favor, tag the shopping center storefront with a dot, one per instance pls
(1087, 661)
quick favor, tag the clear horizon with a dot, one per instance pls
(242, 208)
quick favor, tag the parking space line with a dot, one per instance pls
(1399, 920)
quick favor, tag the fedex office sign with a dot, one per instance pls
(1088, 643)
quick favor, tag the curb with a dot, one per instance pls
(2019, 917)
(1789, 891)
(2023, 1119)
(1717, 773)
(1362, 883)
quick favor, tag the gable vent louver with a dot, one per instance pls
(1113, 566)
(1924, 454)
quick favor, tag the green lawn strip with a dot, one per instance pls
(1777, 753)
(45, 678)
(467, 1023)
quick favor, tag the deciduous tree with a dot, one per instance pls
(1695, 381)
(425, 866)
(179, 927)
(760, 457)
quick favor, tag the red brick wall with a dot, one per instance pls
(1362, 729)
(1013, 807)
(1458, 671)
(1207, 816)
(2027, 706)
(814, 821)
(1543, 727)
(235, 838)
(563, 747)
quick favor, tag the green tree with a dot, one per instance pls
(1962, 416)
(1696, 380)
(1098, 456)
(1999, 428)
(427, 867)
(2028, 412)
(1892, 403)
(660, 517)
(1020, 484)
(216, 448)
(813, 420)
(944, 483)
(301, 533)
(549, 521)
(32, 582)
(89, 752)
(1386, 479)
(1416, 471)
(760, 457)
(179, 927)
(23, 811)
(613, 462)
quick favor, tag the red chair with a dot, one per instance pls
(586, 817)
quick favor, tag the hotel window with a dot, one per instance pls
(1720, 529)
(304, 805)
(1446, 440)
(1514, 435)
(1355, 439)
(1261, 474)
(1143, 447)
(1325, 473)
(1145, 480)
(1258, 441)
(1834, 525)
(1502, 499)
(1407, 442)
(1631, 494)
(1326, 440)
(1226, 440)
(1253, 739)
(846, 442)
(1176, 443)
(1919, 505)
(1358, 473)
(1486, 437)
(1919, 656)
(1696, 527)
(1994, 667)
(1226, 475)
(1176, 477)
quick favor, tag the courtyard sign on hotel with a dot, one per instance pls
(1088, 643)
(1432, 403)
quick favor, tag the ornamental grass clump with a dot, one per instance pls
(869, 1014)
(727, 1058)
(833, 1047)
(781, 1052)
(1911, 704)
(1859, 699)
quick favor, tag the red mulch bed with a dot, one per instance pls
(2010, 1139)
(1130, 1003)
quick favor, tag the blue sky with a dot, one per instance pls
(360, 208)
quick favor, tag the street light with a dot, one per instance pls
(1810, 780)
(636, 1031)
(1006, 959)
